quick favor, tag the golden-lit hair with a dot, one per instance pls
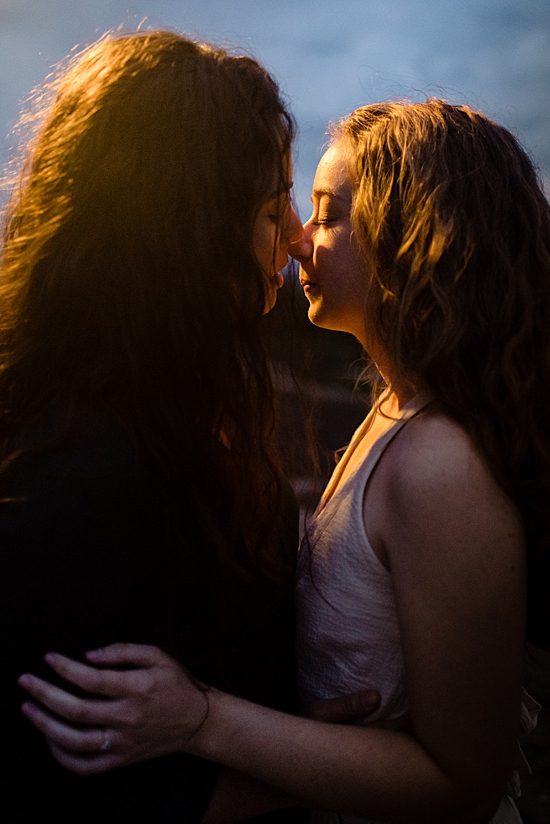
(129, 281)
(455, 231)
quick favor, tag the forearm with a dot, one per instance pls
(371, 772)
(238, 797)
(375, 773)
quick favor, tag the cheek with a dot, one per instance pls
(263, 247)
(332, 252)
(325, 260)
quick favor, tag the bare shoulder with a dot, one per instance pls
(433, 482)
(432, 455)
(453, 543)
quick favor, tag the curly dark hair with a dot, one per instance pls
(128, 277)
(455, 229)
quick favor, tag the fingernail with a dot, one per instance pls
(25, 680)
(51, 657)
(95, 654)
(27, 709)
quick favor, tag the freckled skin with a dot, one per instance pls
(331, 269)
(453, 543)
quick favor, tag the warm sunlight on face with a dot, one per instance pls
(332, 272)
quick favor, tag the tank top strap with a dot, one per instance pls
(395, 424)
(361, 474)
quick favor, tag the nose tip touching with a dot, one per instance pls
(294, 227)
(300, 245)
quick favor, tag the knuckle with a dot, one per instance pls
(79, 714)
(96, 681)
(130, 716)
(147, 684)
(91, 743)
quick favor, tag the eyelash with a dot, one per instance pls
(324, 222)
(279, 215)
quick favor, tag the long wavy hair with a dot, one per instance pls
(455, 231)
(129, 281)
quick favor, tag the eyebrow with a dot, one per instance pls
(319, 193)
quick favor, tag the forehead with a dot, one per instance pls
(332, 176)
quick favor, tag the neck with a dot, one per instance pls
(403, 388)
(404, 392)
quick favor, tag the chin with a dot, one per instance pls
(270, 302)
(313, 314)
(318, 317)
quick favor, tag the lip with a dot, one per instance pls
(306, 284)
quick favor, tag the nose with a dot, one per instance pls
(301, 248)
(294, 227)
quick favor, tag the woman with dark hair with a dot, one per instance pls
(429, 554)
(141, 494)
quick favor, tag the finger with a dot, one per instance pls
(345, 708)
(81, 764)
(63, 735)
(69, 707)
(110, 683)
(137, 655)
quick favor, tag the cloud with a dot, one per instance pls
(329, 57)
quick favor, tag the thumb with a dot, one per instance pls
(345, 708)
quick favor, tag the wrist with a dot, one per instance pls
(203, 694)
(211, 736)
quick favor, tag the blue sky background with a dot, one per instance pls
(329, 55)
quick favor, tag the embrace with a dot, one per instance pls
(199, 668)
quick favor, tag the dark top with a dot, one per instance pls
(79, 548)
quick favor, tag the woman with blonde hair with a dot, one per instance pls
(427, 563)
(141, 495)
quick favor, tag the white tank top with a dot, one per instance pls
(347, 631)
(348, 636)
